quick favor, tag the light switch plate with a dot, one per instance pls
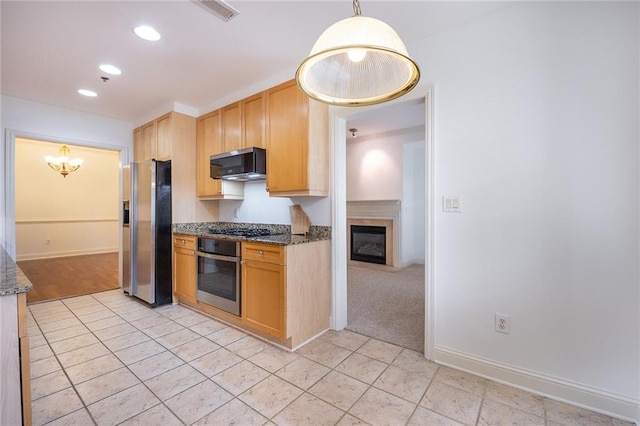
(452, 204)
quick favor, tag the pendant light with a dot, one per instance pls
(358, 61)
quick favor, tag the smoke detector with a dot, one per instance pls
(219, 8)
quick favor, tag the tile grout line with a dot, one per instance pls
(478, 415)
(85, 406)
(274, 374)
(424, 393)
(141, 381)
(270, 373)
(161, 402)
(345, 412)
(369, 386)
(234, 397)
(64, 371)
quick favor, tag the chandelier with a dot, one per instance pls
(62, 163)
(358, 61)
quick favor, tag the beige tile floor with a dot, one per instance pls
(106, 359)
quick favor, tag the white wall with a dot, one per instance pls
(63, 216)
(537, 129)
(392, 168)
(258, 207)
(46, 122)
(413, 202)
(374, 168)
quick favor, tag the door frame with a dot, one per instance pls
(10, 184)
(338, 137)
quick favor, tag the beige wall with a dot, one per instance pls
(57, 216)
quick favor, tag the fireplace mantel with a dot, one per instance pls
(387, 212)
(384, 209)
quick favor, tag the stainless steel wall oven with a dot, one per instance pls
(218, 274)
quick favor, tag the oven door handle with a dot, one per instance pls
(217, 257)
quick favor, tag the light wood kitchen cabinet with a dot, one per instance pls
(243, 124)
(184, 268)
(137, 144)
(231, 127)
(286, 290)
(148, 147)
(160, 137)
(209, 142)
(172, 136)
(164, 137)
(253, 121)
(297, 143)
(264, 289)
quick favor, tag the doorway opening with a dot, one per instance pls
(403, 200)
(67, 228)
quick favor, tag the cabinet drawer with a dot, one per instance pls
(264, 253)
(184, 241)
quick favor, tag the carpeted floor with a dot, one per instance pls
(387, 305)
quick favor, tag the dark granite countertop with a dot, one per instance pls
(12, 280)
(282, 233)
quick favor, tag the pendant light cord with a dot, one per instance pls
(356, 8)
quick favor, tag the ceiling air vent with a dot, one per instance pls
(219, 8)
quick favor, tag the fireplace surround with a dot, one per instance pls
(377, 213)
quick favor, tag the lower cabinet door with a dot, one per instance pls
(264, 297)
(185, 274)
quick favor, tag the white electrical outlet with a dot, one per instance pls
(451, 204)
(503, 323)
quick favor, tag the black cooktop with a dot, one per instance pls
(241, 232)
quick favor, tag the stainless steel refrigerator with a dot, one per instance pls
(146, 227)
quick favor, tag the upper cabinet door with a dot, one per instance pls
(231, 127)
(297, 143)
(163, 137)
(149, 138)
(208, 142)
(286, 138)
(138, 152)
(253, 121)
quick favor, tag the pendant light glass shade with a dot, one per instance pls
(358, 61)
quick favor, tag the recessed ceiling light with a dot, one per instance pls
(89, 93)
(147, 33)
(110, 69)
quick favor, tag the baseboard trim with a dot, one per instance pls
(594, 399)
(51, 255)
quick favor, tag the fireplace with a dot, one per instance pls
(377, 213)
(369, 244)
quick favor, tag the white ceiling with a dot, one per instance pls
(50, 49)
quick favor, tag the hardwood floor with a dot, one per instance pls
(62, 277)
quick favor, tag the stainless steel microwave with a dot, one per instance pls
(242, 165)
